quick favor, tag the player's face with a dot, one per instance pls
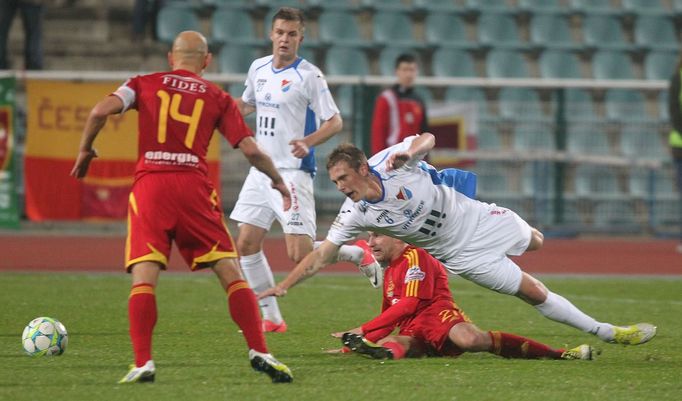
(406, 73)
(348, 181)
(384, 248)
(286, 38)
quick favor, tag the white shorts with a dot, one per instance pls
(484, 260)
(259, 204)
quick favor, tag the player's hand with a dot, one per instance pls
(397, 160)
(80, 168)
(299, 148)
(286, 195)
(275, 291)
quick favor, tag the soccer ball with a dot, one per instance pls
(44, 336)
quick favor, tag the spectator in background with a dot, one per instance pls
(32, 20)
(145, 11)
(398, 112)
(675, 138)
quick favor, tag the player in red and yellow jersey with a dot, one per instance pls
(172, 198)
(417, 301)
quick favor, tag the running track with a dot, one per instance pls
(558, 256)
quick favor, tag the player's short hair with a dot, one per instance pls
(289, 14)
(349, 153)
(405, 58)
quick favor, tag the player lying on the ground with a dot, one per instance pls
(417, 301)
(397, 193)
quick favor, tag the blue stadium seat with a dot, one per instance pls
(437, 6)
(520, 104)
(493, 181)
(380, 6)
(448, 62)
(317, 6)
(662, 104)
(340, 28)
(489, 139)
(446, 30)
(486, 6)
(506, 64)
(174, 18)
(656, 32)
(559, 64)
(530, 137)
(393, 28)
(587, 139)
(469, 94)
(343, 60)
(237, 58)
(542, 6)
(604, 32)
(616, 215)
(651, 184)
(642, 142)
(607, 64)
(499, 30)
(233, 25)
(343, 97)
(552, 31)
(595, 7)
(660, 65)
(579, 106)
(644, 7)
(625, 105)
(597, 182)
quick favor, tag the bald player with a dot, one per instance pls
(172, 198)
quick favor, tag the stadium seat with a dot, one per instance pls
(488, 139)
(604, 32)
(587, 139)
(506, 64)
(559, 64)
(340, 28)
(649, 184)
(485, 6)
(444, 29)
(307, 53)
(343, 60)
(662, 104)
(530, 137)
(578, 104)
(174, 18)
(665, 215)
(237, 58)
(343, 97)
(230, 25)
(551, 31)
(437, 6)
(615, 215)
(520, 104)
(317, 6)
(380, 6)
(493, 180)
(644, 7)
(393, 28)
(426, 95)
(642, 142)
(537, 179)
(499, 30)
(597, 182)
(656, 32)
(660, 65)
(625, 105)
(607, 64)
(234, 4)
(448, 62)
(469, 94)
(541, 6)
(594, 7)
(388, 56)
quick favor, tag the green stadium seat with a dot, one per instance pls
(174, 18)
(393, 28)
(506, 64)
(660, 65)
(597, 182)
(611, 64)
(642, 142)
(340, 28)
(470, 94)
(644, 7)
(426, 95)
(438, 6)
(343, 97)
(493, 181)
(651, 184)
(578, 103)
(390, 54)
(551, 31)
(604, 32)
(380, 6)
(656, 32)
(594, 7)
(530, 137)
(615, 215)
(587, 139)
(542, 6)
(317, 6)
(625, 105)
(344, 60)
(448, 62)
(234, 4)
(520, 104)
(559, 64)
(233, 25)
(662, 104)
(488, 139)
(237, 58)
(446, 30)
(499, 30)
(486, 6)
(307, 53)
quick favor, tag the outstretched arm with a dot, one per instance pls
(420, 145)
(311, 264)
(93, 125)
(260, 160)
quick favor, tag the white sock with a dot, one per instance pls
(259, 276)
(562, 310)
(347, 253)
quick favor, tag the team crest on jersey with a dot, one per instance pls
(404, 194)
(414, 273)
(286, 85)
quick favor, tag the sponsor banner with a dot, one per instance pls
(9, 210)
(455, 126)
(56, 113)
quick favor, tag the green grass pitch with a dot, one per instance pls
(201, 356)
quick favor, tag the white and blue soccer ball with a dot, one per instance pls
(44, 336)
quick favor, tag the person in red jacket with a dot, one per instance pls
(417, 301)
(398, 111)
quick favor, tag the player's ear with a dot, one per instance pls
(208, 60)
(363, 169)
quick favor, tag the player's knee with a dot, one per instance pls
(469, 338)
(536, 239)
(246, 246)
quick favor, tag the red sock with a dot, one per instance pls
(244, 310)
(513, 346)
(397, 349)
(142, 317)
